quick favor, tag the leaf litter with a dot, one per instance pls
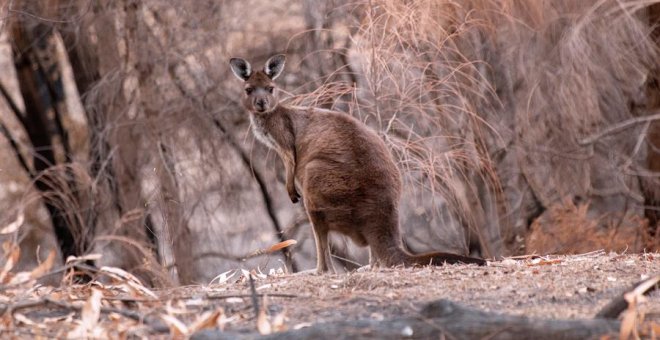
(575, 286)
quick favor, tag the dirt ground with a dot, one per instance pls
(570, 287)
(552, 287)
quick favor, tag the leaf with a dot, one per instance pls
(271, 249)
(18, 278)
(120, 274)
(629, 318)
(281, 245)
(643, 287)
(132, 282)
(279, 322)
(78, 259)
(207, 320)
(13, 226)
(263, 325)
(45, 266)
(12, 259)
(224, 277)
(224, 321)
(177, 328)
(89, 316)
(627, 323)
(26, 321)
(91, 311)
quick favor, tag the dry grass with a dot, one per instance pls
(488, 104)
(567, 228)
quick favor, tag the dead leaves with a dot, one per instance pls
(44, 267)
(632, 321)
(116, 304)
(208, 320)
(267, 325)
(89, 318)
(12, 254)
(127, 282)
(126, 308)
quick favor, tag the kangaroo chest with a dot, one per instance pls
(260, 131)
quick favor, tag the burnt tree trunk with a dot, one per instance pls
(112, 203)
(41, 87)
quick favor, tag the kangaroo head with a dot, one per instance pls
(259, 93)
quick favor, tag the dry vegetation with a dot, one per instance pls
(117, 306)
(520, 127)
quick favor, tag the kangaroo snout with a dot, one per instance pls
(261, 104)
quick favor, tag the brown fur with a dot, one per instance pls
(350, 183)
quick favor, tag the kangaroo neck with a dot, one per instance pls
(262, 123)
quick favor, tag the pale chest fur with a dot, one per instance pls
(260, 131)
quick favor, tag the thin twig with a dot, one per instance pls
(228, 296)
(255, 300)
(618, 127)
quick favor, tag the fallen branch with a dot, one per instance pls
(613, 309)
(59, 270)
(442, 319)
(154, 323)
(22, 305)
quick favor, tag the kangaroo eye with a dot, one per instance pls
(249, 90)
(269, 89)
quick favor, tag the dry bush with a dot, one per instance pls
(495, 108)
(558, 72)
(568, 228)
(412, 87)
(567, 71)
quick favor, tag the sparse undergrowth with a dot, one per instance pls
(116, 305)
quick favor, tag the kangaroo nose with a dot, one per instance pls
(260, 103)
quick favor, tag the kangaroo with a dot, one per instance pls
(349, 180)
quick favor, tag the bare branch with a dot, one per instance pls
(626, 124)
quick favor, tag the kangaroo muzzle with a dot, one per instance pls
(261, 104)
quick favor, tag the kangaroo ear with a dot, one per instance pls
(240, 68)
(274, 66)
